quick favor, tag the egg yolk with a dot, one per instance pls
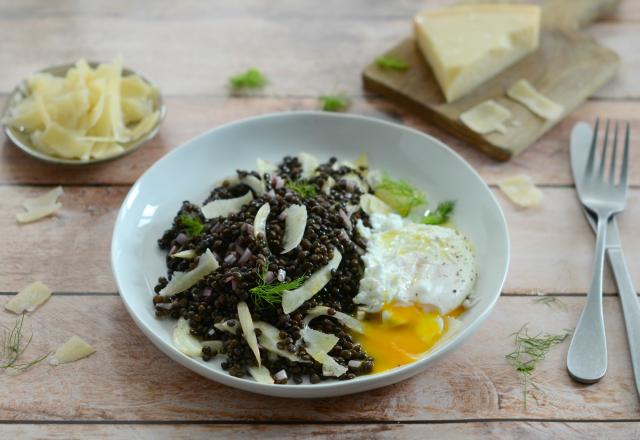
(400, 334)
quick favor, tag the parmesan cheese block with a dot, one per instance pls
(525, 94)
(521, 190)
(486, 117)
(29, 298)
(467, 45)
(72, 350)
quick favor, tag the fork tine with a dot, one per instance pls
(625, 161)
(603, 154)
(592, 150)
(612, 168)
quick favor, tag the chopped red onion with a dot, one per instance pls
(206, 292)
(234, 284)
(280, 375)
(173, 250)
(282, 275)
(354, 364)
(283, 215)
(345, 219)
(182, 238)
(245, 256)
(166, 306)
(239, 249)
(230, 259)
(249, 229)
(277, 182)
(271, 193)
(228, 279)
(216, 256)
(269, 277)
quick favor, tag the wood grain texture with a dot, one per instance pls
(129, 379)
(567, 68)
(305, 50)
(452, 431)
(547, 161)
(551, 246)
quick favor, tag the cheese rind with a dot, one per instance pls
(466, 45)
(486, 117)
(523, 92)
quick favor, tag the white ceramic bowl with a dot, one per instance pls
(188, 173)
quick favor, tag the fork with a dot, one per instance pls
(604, 197)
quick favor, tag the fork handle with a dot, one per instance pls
(630, 307)
(587, 356)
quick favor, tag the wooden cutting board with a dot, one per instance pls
(568, 67)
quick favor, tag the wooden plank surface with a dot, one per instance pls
(547, 162)
(129, 379)
(551, 245)
(129, 389)
(452, 431)
(304, 49)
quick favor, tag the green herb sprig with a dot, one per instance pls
(390, 62)
(441, 214)
(271, 294)
(400, 195)
(529, 351)
(551, 301)
(334, 103)
(303, 189)
(251, 79)
(12, 347)
(192, 224)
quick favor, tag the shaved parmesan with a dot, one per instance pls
(486, 117)
(269, 338)
(261, 374)
(181, 281)
(265, 167)
(184, 341)
(225, 207)
(521, 190)
(294, 226)
(373, 205)
(309, 164)
(327, 185)
(72, 350)
(260, 222)
(214, 345)
(47, 199)
(292, 299)
(345, 319)
(523, 92)
(37, 213)
(257, 185)
(226, 326)
(318, 346)
(248, 329)
(89, 113)
(188, 254)
(29, 298)
(41, 206)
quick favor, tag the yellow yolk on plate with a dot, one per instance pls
(399, 334)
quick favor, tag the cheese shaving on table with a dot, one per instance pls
(72, 350)
(524, 93)
(521, 190)
(486, 117)
(40, 206)
(29, 298)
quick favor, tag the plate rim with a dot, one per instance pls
(329, 388)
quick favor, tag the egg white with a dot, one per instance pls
(412, 263)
